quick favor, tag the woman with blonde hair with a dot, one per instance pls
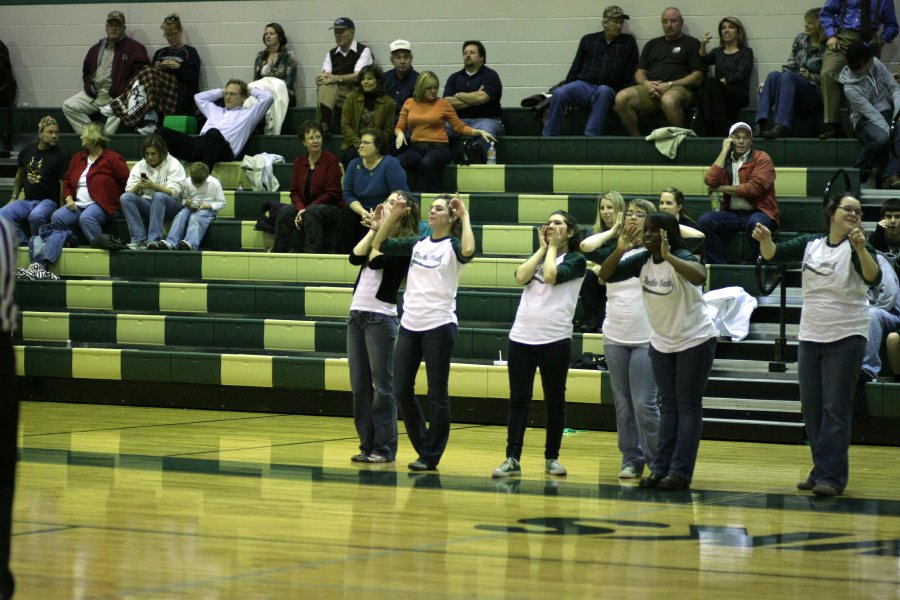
(610, 207)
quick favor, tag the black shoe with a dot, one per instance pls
(832, 131)
(650, 482)
(806, 485)
(776, 131)
(673, 482)
(418, 465)
(758, 128)
(325, 127)
(826, 489)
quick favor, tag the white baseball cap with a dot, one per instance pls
(740, 125)
(401, 45)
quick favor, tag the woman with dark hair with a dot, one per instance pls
(626, 344)
(369, 107)
(671, 200)
(796, 86)
(372, 331)
(152, 193)
(368, 180)
(309, 222)
(426, 117)
(275, 60)
(92, 187)
(428, 327)
(610, 209)
(165, 88)
(838, 267)
(541, 338)
(682, 339)
(723, 95)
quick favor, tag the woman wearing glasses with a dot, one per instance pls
(834, 326)
(626, 336)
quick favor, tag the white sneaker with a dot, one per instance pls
(509, 468)
(107, 111)
(136, 245)
(628, 472)
(147, 128)
(552, 467)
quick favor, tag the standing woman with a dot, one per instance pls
(610, 208)
(369, 107)
(682, 339)
(626, 343)
(372, 331)
(834, 328)
(541, 337)
(428, 327)
(723, 95)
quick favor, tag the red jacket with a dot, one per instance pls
(757, 185)
(105, 181)
(129, 57)
(325, 187)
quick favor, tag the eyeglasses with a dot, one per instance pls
(851, 210)
(313, 138)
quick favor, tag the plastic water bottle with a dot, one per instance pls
(715, 200)
(492, 154)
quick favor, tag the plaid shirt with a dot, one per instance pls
(602, 63)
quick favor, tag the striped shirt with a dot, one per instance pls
(9, 250)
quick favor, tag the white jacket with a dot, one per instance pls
(169, 174)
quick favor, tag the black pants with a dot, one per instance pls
(317, 234)
(593, 303)
(718, 106)
(9, 427)
(208, 148)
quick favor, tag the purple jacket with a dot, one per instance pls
(130, 57)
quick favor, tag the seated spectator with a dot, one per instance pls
(368, 181)
(669, 71)
(368, 107)
(8, 88)
(883, 300)
(671, 200)
(152, 193)
(400, 82)
(474, 92)
(886, 237)
(426, 116)
(796, 86)
(722, 96)
(203, 199)
(874, 99)
(746, 179)
(41, 169)
(610, 210)
(308, 224)
(227, 128)
(94, 182)
(604, 63)
(108, 68)
(275, 71)
(339, 71)
(165, 87)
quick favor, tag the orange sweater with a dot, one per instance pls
(426, 121)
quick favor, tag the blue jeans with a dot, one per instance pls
(435, 346)
(828, 374)
(637, 413)
(881, 323)
(580, 93)
(681, 377)
(786, 91)
(47, 247)
(34, 212)
(190, 226)
(137, 209)
(370, 354)
(713, 224)
(492, 126)
(873, 138)
(524, 361)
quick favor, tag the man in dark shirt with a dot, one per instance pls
(400, 82)
(604, 64)
(41, 169)
(339, 71)
(475, 91)
(668, 71)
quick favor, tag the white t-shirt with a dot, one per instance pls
(545, 311)
(626, 319)
(675, 306)
(364, 297)
(430, 297)
(82, 195)
(209, 192)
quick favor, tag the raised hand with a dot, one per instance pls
(761, 233)
(664, 249)
(857, 239)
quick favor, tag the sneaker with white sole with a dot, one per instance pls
(37, 271)
(629, 472)
(136, 245)
(107, 110)
(164, 245)
(509, 468)
(147, 128)
(185, 245)
(553, 467)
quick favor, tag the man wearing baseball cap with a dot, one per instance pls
(108, 67)
(339, 71)
(746, 179)
(604, 63)
(400, 82)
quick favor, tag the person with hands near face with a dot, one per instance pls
(838, 266)
(722, 96)
(682, 338)
(610, 207)
(428, 326)
(541, 338)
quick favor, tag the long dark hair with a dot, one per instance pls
(408, 224)
(669, 224)
(679, 201)
(279, 31)
(378, 74)
(455, 223)
(571, 226)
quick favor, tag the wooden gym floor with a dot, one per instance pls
(136, 503)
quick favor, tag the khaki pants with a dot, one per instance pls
(832, 63)
(79, 108)
(330, 96)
